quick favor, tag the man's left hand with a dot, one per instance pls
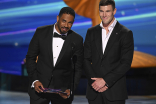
(103, 89)
(65, 96)
(98, 83)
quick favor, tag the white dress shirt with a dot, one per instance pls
(57, 46)
(105, 37)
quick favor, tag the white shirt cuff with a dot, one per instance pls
(32, 86)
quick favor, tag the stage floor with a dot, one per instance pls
(7, 97)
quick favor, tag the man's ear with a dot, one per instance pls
(114, 12)
(57, 18)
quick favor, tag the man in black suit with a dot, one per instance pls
(55, 45)
(108, 53)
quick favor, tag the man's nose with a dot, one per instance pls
(104, 14)
(66, 24)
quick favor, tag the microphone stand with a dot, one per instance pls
(74, 59)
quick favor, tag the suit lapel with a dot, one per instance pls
(50, 41)
(112, 38)
(98, 40)
(64, 47)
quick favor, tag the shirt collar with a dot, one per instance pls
(111, 26)
(54, 30)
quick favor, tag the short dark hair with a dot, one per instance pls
(107, 2)
(67, 10)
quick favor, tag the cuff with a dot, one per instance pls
(32, 86)
(106, 85)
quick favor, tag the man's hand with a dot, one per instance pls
(98, 83)
(65, 96)
(38, 86)
(103, 89)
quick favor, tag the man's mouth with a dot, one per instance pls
(64, 29)
(104, 17)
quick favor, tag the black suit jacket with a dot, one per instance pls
(113, 64)
(59, 75)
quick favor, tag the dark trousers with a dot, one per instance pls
(46, 98)
(103, 100)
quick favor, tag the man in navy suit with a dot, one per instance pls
(55, 45)
(108, 53)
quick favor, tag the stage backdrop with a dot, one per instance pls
(20, 18)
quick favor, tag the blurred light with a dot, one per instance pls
(82, 23)
(135, 48)
(35, 2)
(134, 4)
(123, 13)
(32, 10)
(16, 44)
(136, 9)
(137, 16)
(17, 32)
(32, 30)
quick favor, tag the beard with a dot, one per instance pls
(107, 22)
(62, 32)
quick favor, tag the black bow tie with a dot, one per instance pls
(60, 36)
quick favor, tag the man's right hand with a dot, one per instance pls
(38, 86)
(65, 96)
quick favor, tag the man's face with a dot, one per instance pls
(107, 14)
(64, 23)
